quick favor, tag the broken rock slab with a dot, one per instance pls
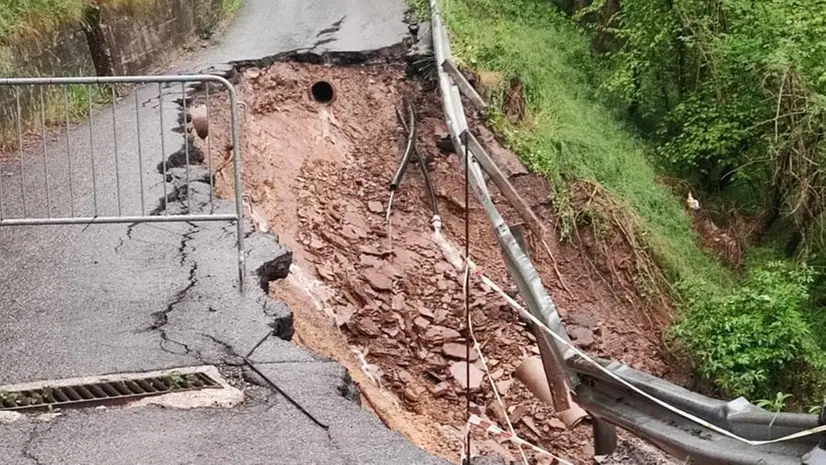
(458, 351)
(459, 371)
(7, 418)
(378, 280)
(375, 206)
(276, 350)
(269, 259)
(583, 337)
(281, 315)
(437, 334)
(487, 460)
(585, 320)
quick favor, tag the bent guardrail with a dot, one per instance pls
(684, 424)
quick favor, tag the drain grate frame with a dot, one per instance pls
(104, 391)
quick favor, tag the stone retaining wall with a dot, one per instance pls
(109, 41)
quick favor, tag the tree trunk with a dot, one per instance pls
(602, 40)
(580, 4)
(98, 48)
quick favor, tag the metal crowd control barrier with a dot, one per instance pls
(685, 424)
(67, 174)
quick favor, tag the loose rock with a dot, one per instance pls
(343, 314)
(459, 371)
(440, 389)
(458, 351)
(367, 327)
(377, 280)
(582, 319)
(438, 334)
(421, 323)
(504, 386)
(583, 337)
(375, 206)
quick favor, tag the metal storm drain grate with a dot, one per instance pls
(104, 391)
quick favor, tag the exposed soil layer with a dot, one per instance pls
(320, 175)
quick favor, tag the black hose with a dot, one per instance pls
(408, 151)
(431, 193)
(412, 149)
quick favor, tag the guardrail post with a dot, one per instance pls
(605, 437)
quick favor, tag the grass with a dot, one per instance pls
(573, 136)
(569, 135)
(231, 7)
(58, 104)
(34, 17)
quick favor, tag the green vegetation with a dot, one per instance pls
(75, 100)
(25, 17)
(72, 101)
(724, 99)
(176, 380)
(567, 135)
(35, 17)
(231, 6)
(755, 340)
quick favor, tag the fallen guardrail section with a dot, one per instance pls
(687, 425)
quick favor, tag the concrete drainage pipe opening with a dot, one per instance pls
(323, 92)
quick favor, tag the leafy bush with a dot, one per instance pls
(733, 92)
(755, 340)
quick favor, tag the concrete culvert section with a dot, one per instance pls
(323, 92)
(390, 307)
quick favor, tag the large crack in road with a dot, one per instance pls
(104, 299)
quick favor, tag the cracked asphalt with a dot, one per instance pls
(91, 300)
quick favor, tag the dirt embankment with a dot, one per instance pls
(383, 300)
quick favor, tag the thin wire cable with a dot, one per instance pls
(491, 428)
(454, 256)
(522, 311)
(467, 296)
(387, 220)
(294, 402)
(478, 348)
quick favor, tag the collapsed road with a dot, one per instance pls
(91, 301)
(379, 296)
(90, 309)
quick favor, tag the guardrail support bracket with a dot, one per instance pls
(605, 437)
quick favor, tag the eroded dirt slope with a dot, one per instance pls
(381, 298)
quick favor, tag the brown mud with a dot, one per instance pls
(383, 300)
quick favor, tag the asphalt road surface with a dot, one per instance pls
(91, 300)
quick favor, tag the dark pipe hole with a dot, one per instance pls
(323, 92)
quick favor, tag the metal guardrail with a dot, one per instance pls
(613, 401)
(520, 266)
(106, 183)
